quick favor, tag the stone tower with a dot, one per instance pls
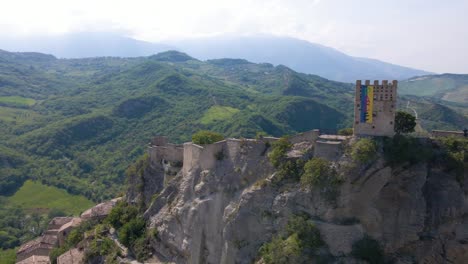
(374, 108)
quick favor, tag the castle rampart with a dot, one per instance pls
(161, 152)
(205, 157)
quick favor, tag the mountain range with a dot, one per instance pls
(299, 55)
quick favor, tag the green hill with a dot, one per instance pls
(447, 87)
(78, 123)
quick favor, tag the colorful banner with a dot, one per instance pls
(367, 103)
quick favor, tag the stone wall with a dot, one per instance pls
(310, 136)
(203, 157)
(446, 133)
(329, 150)
(166, 153)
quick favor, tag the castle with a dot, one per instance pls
(374, 108)
(173, 158)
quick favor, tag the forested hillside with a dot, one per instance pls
(78, 123)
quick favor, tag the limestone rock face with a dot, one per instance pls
(224, 213)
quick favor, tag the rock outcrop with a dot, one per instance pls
(224, 212)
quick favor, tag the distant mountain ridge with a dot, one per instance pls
(299, 55)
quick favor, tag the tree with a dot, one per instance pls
(404, 122)
(364, 150)
(346, 131)
(206, 137)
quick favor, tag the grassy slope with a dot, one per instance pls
(34, 196)
(17, 101)
(7, 256)
(218, 113)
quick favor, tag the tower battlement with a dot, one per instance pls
(374, 108)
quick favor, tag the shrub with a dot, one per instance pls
(102, 246)
(346, 131)
(291, 168)
(368, 249)
(455, 155)
(260, 135)
(306, 231)
(141, 249)
(404, 122)
(282, 251)
(206, 137)
(364, 150)
(121, 214)
(299, 245)
(131, 231)
(319, 173)
(278, 152)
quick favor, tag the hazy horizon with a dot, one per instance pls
(426, 35)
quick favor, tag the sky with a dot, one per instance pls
(426, 34)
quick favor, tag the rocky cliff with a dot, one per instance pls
(415, 211)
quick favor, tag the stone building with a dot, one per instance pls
(374, 108)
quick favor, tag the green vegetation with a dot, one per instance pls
(455, 155)
(277, 156)
(17, 227)
(36, 196)
(25, 214)
(131, 229)
(368, 249)
(346, 131)
(102, 246)
(319, 173)
(7, 256)
(95, 231)
(218, 113)
(121, 214)
(364, 150)
(404, 122)
(287, 168)
(206, 137)
(17, 101)
(405, 149)
(299, 244)
(95, 115)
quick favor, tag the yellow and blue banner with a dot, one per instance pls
(367, 103)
